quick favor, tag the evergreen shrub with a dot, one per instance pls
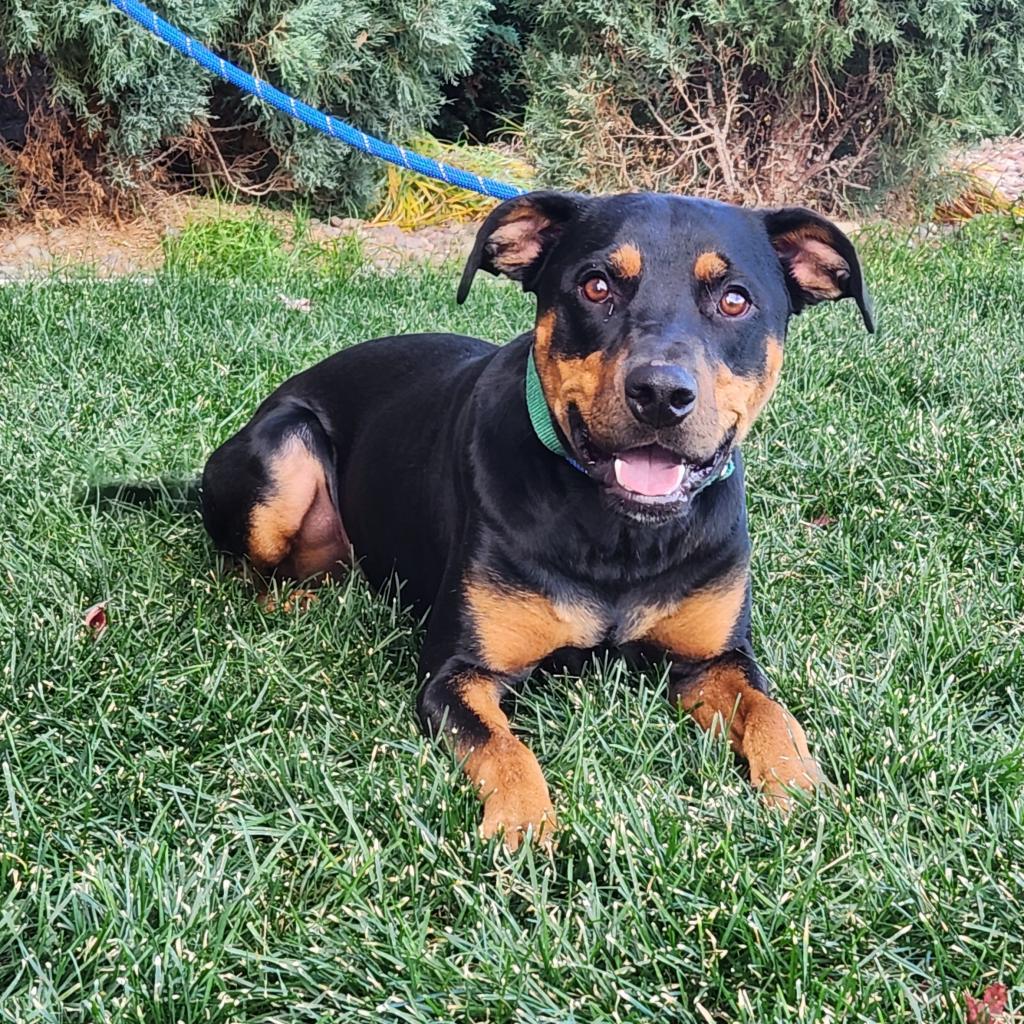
(765, 101)
(139, 109)
(769, 101)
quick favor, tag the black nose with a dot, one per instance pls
(660, 394)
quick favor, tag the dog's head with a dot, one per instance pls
(660, 325)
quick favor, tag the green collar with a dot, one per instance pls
(540, 414)
(544, 425)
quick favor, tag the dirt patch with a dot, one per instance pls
(114, 247)
(388, 246)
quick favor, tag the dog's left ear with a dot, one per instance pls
(517, 236)
(820, 262)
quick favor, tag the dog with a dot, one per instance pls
(578, 489)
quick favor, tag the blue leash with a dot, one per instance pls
(336, 129)
(324, 123)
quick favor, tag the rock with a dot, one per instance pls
(999, 162)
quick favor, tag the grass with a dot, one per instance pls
(213, 813)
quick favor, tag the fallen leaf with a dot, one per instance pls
(298, 600)
(989, 1008)
(975, 1009)
(302, 305)
(995, 997)
(823, 521)
(96, 618)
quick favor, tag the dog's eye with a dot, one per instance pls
(734, 303)
(596, 288)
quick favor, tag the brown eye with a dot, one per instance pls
(596, 288)
(734, 303)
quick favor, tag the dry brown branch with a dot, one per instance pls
(56, 168)
(722, 128)
(243, 174)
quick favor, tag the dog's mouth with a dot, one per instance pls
(651, 478)
(653, 475)
(649, 472)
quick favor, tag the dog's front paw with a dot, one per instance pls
(515, 794)
(514, 817)
(775, 747)
(514, 820)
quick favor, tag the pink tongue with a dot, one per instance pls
(648, 471)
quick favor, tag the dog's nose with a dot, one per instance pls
(660, 394)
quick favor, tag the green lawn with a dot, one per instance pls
(215, 813)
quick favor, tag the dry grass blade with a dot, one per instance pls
(414, 201)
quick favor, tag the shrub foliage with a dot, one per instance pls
(145, 109)
(819, 100)
(760, 100)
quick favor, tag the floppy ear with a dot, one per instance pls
(819, 260)
(517, 235)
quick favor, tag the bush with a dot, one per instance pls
(756, 100)
(132, 108)
(825, 101)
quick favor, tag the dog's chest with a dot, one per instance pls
(699, 625)
(515, 629)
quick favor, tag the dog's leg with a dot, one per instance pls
(727, 695)
(270, 494)
(484, 636)
(462, 702)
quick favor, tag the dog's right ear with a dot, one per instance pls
(517, 236)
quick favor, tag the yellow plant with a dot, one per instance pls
(978, 196)
(414, 201)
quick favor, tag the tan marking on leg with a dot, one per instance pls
(321, 547)
(701, 625)
(505, 773)
(627, 261)
(516, 628)
(759, 729)
(709, 267)
(295, 528)
(295, 476)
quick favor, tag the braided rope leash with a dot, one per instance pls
(323, 123)
(333, 127)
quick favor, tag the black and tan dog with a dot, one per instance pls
(580, 488)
